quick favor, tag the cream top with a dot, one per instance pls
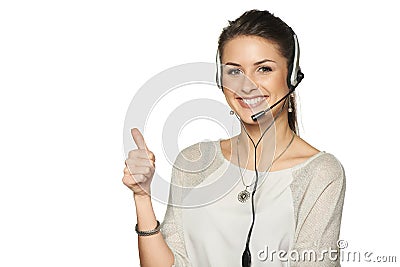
(296, 208)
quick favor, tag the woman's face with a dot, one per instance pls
(253, 75)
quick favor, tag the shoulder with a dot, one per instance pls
(328, 163)
(198, 150)
(197, 157)
(323, 167)
(322, 175)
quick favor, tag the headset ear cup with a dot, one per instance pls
(294, 72)
(300, 76)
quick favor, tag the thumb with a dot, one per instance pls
(138, 138)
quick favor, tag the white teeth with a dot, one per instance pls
(252, 101)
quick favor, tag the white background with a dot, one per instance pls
(69, 69)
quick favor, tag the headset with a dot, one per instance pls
(295, 76)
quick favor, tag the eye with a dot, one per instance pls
(264, 69)
(234, 72)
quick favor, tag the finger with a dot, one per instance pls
(132, 179)
(129, 181)
(139, 162)
(138, 138)
(142, 153)
(139, 178)
(127, 171)
(145, 170)
(134, 182)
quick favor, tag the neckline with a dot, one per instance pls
(297, 166)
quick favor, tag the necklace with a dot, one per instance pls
(244, 195)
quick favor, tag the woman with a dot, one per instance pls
(290, 195)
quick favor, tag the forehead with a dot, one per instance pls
(250, 49)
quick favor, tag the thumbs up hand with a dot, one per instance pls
(140, 166)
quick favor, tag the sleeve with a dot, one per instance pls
(171, 227)
(316, 243)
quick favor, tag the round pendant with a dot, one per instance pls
(243, 196)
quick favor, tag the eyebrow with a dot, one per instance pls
(255, 64)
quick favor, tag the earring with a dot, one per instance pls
(231, 112)
(290, 109)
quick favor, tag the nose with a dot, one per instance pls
(248, 85)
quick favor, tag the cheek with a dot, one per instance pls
(273, 82)
(230, 99)
(229, 96)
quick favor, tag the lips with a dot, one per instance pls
(252, 102)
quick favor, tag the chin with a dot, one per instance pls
(250, 123)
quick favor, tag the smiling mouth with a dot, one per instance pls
(252, 102)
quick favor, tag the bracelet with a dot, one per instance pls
(150, 232)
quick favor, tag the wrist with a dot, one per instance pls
(148, 232)
(138, 197)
